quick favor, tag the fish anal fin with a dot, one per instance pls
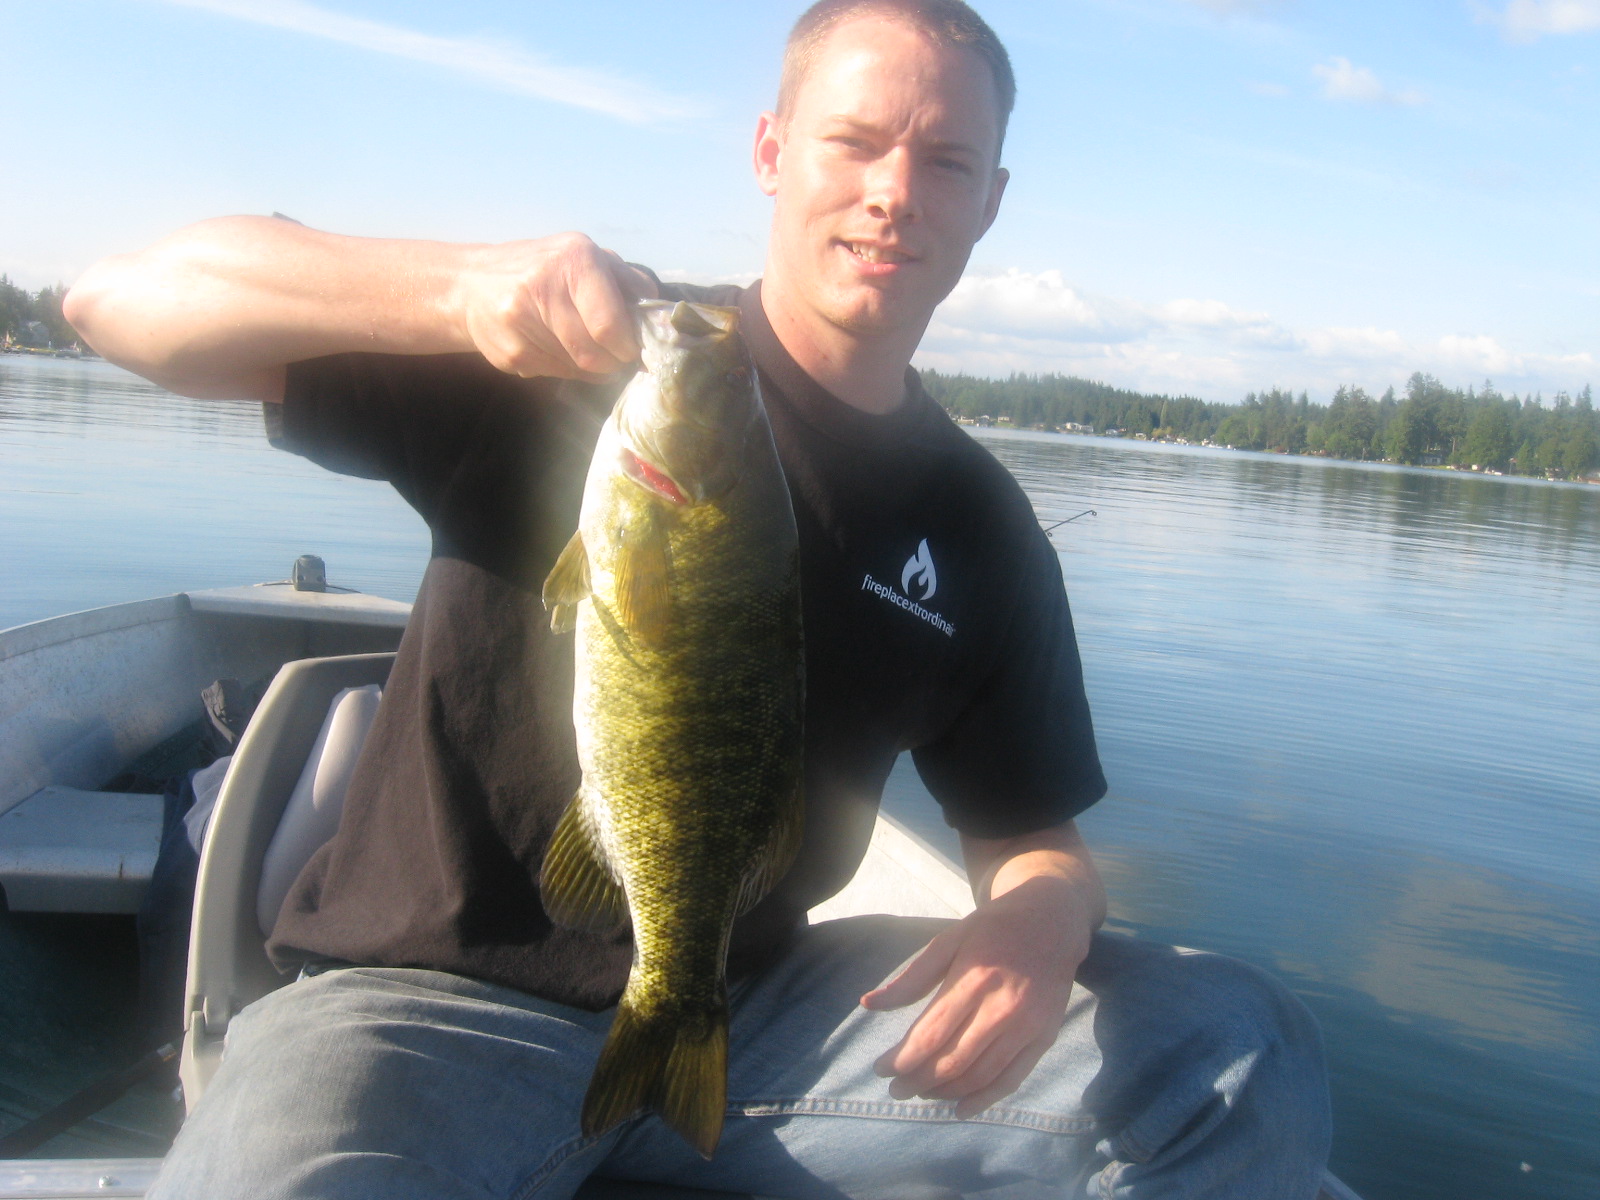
(643, 592)
(567, 584)
(576, 883)
(777, 857)
(672, 1062)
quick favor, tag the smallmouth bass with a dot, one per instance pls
(682, 584)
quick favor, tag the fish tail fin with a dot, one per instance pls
(676, 1066)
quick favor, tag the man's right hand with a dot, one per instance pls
(557, 306)
(218, 309)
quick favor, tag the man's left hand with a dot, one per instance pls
(1004, 972)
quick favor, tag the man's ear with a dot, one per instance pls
(997, 189)
(768, 150)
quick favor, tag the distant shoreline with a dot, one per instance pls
(1509, 476)
(41, 352)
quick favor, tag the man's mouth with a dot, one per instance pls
(876, 255)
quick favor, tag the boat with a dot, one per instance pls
(91, 703)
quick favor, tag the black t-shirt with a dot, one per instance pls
(935, 622)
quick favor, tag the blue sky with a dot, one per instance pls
(1208, 196)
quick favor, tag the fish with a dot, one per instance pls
(682, 587)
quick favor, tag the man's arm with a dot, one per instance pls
(219, 308)
(1004, 972)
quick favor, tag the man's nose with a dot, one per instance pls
(891, 188)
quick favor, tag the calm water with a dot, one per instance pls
(1350, 715)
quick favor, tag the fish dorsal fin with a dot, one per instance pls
(703, 320)
(643, 570)
(576, 883)
(567, 584)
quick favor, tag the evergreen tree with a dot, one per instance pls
(1488, 442)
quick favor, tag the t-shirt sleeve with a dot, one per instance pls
(1021, 755)
(401, 418)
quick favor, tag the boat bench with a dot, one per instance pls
(65, 850)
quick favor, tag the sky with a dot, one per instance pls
(1208, 197)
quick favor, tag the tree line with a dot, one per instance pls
(20, 309)
(1430, 424)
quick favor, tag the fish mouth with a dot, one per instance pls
(651, 478)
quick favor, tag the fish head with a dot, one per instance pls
(685, 418)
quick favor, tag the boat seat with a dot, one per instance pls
(65, 850)
(228, 963)
(279, 801)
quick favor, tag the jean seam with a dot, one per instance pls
(553, 1161)
(900, 1110)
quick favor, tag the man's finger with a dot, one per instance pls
(920, 976)
(995, 1030)
(986, 1050)
(585, 310)
(941, 1025)
(1008, 1081)
(910, 1064)
(604, 301)
(636, 284)
(969, 1062)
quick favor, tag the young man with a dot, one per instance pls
(442, 1037)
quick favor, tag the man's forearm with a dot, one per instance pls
(219, 308)
(228, 301)
(1059, 853)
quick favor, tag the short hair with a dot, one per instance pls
(943, 22)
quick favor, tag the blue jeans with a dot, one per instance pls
(1177, 1075)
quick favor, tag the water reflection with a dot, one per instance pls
(112, 489)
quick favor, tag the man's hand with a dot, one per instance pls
(557, 306)
(1004, 972)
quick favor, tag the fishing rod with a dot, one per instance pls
(1088, 512)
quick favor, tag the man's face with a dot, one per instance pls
(884, 176)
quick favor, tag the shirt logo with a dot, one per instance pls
(920, 567)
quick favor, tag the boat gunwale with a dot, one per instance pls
(33, 636)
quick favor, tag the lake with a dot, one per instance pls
(1350, 715)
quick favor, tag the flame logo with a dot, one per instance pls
(920, 566)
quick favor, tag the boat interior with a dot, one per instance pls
(98, 710)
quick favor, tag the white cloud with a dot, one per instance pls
(1041, 305)
(1525, 20)
(500, 64)
(1015, 320)
(1343, 80)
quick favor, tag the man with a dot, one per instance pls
(441, 1037)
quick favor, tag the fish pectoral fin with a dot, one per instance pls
(776, 858)
(567, 584)
(576, 885)
(644, 598)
